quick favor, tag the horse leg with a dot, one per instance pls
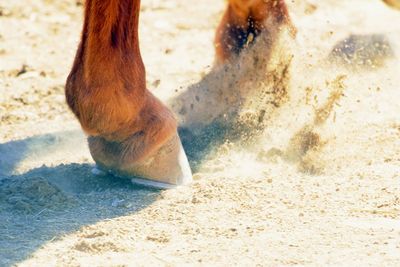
(243, 21)
(130, 131)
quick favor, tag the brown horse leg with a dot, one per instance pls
(131, 131)
(243, 21)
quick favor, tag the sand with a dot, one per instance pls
(300, 165)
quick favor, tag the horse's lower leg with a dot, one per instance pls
(243, 21)
(106, 90)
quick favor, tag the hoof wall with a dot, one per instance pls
(166, 168)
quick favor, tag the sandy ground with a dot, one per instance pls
(314, 182)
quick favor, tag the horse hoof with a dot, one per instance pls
(166, 168)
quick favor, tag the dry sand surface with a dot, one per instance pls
(308, 175)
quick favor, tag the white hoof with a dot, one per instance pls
(167, 168)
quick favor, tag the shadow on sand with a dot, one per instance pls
(47, 202)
